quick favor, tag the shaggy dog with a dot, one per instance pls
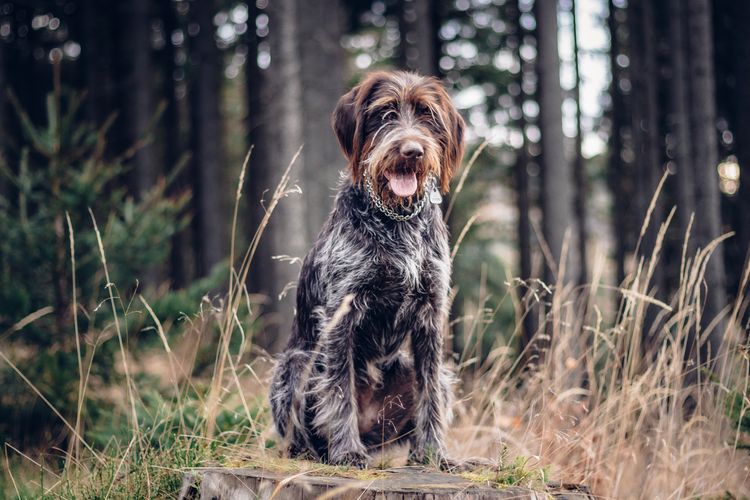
(375, 285)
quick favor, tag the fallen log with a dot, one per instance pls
(388, 484)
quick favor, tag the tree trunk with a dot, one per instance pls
(3, 117)
(557, 188)
(558, 198)
(419, 20)
(651, 167)
(173, 147)
(139, 110)
(523, 196)
(616, 166)
(279, 134)
(741, 17)
(118, 61)
(705, 159)
(30, 78)
(141, 103)
(208, 235)
(646, 130)
(680, 118)
(579, 166)
(260, 176)
(98, 60)
(322, 74)
(742, 125)
(648, 151)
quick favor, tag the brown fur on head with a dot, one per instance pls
(402, 125)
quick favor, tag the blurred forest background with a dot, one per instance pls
(136, 115)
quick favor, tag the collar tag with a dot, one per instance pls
(435, 197)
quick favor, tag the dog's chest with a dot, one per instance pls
(404, 273)
(402, 257)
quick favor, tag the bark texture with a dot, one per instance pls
(141, 105)
(705, 159)
(616, 165)
(557, 189)
(391, 484)
(322, 72)
(743, 127)
(279, 135)
(579, 164)
(206, 129)
(420, 48)
(680, 119)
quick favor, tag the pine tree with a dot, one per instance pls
(63, 172)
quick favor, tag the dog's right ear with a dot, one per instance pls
(348, 121)
(345, 122)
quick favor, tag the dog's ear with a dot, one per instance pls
(348, 121)
(454, 140)
(345, 123)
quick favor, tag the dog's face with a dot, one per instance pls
(399, 128)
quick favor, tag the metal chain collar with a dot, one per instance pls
(418, 207)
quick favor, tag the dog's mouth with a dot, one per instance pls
(402, 184)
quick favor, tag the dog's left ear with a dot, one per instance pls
(454, 142)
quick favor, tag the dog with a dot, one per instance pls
(375, 285)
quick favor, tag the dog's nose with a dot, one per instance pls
(412, 150)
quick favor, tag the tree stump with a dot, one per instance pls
(390, 484)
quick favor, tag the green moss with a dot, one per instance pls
(295, 466)
(514, 472)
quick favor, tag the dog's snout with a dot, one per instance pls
(412, 150)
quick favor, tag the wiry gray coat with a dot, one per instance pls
(363, 365)
(337, 393)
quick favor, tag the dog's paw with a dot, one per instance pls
(300, 452)
(356, 459)
(431, 457)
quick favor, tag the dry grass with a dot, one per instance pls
(623, 421)
(601, 406)
(598, 406)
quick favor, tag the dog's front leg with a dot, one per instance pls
(336, 410)
(430, 408)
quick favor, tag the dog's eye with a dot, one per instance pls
(389, 115)
(421, 110)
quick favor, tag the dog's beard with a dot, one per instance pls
(399, 181)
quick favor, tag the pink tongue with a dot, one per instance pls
(402, 184)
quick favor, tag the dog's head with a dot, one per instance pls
(399, 128)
